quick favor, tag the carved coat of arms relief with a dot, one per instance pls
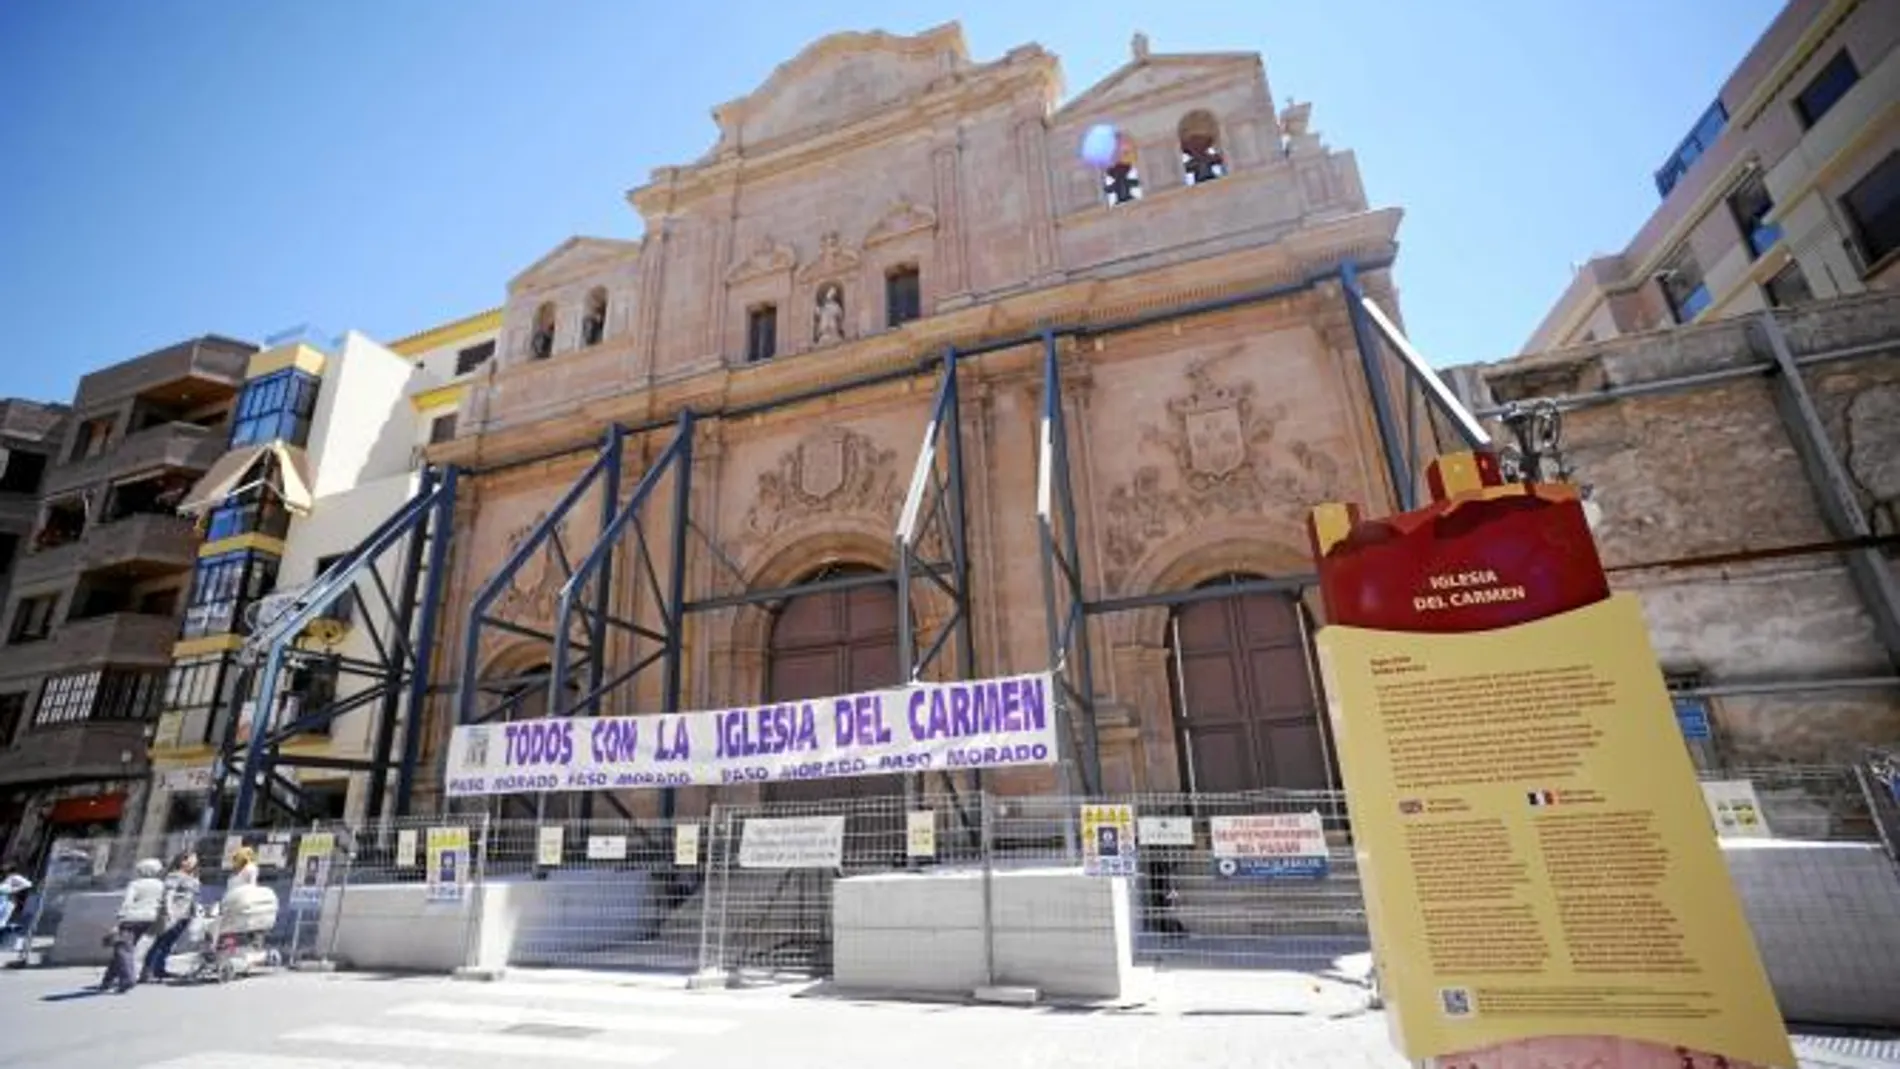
(831, 470)
(532, 596)
(1228, 460)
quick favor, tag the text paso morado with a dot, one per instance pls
(922, 727)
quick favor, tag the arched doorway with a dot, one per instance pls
(827, 643)
(1246, 702)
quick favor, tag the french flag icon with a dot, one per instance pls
(1542, 798)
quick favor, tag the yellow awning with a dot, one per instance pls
(234, 471)
(224, 477)
(293, 477)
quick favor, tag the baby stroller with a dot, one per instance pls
(235, 931)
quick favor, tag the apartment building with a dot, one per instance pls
(1785, 190)
(323, 449)
(449, 359)
(97, 593)
(30, 431)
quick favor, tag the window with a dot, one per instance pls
(1873, 207)
(12, 711)
(108, 694)
(1683, 287)
(903, 297)
(89, 439)
(1830, 84)
(65, 521)
(1201, 159)
(20, 472)
(1121, 184)
(254, 509)
(1788, 287)
(761, 333)
(441, 429)
(1707, 129)
(156, 495)
(66, 699)
(541, 340)
(344, 607)
(275, 407)
(159, 603)
(473, 357)
(203, 685)
(1750, 204)
(33, 618)
(594, 320)
(221, 588)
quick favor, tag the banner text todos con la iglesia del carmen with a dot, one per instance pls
(923, 727)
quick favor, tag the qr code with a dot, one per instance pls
(1456, 1000)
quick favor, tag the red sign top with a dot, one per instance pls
(1482, 555)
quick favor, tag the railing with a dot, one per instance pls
(176, 445)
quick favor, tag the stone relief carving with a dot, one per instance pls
(834, 260)
(903, 217)
(832, 470)
(537, 585)
(767, 257)
(1227, 462)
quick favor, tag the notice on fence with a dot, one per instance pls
(232, 844)
(1735, 810)
(922, 727)
(920, 833)
(686, 845)
(606, 848)
(274, 853)
(406, 848)
(313, 869)
(550, 843)
(1166, 831)
(1269, 846)
(1108, 840)
(448, 864)
(792, 843)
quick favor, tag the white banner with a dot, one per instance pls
(792, 843)
(923, 727)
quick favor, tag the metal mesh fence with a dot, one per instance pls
(1255, 880)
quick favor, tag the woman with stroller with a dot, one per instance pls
(243, 869)
(138, 911)
(181, 903)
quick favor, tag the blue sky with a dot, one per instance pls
(168, 169)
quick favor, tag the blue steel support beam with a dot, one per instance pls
(1391, 444)
(468, 690)
(435, 579)
(675, 607)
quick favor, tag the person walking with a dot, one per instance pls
(138, 911)
(181, 902)
(13, 889)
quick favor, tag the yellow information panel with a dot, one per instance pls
(1536, 854)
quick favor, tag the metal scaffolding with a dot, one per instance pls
(1067, 604)
(413, 542)
(930, 542)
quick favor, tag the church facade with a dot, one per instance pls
(879, 199)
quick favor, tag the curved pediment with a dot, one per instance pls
(838, 79)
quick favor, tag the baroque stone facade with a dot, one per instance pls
(763, 296)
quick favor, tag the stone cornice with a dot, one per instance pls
(1367, 237)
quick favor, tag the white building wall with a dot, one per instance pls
(363, 428)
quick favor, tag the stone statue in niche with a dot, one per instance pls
(828, 317)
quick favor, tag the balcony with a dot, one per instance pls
(129, 639)
(205, 367)
(17, 513)
(142, 545)
(90, 749)
(168, 445)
